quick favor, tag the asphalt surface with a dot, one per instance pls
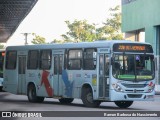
(10, 102)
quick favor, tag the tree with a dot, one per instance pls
(57, 41)
(1, 46)
(112, 26)
(79, 30)
(38, 39)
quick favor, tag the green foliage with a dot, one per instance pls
(1, 46)
(81, 30)
(38, 39)
(112, 26)
(57, 41)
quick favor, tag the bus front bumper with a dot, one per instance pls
(121, 96)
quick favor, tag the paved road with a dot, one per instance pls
(10, 102)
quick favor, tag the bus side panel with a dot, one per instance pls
(76, 79)
(11, 81)
(45, 84)
(67, 83)
(72, 83)
(35, 76)
(90, 78)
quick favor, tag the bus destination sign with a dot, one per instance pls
(126, 47)
(131, 48)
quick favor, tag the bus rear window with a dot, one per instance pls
(11, 58)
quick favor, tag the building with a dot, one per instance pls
(12, 13)
(141, 22)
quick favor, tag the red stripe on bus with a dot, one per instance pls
(47, 85)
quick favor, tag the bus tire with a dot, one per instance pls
(32, 96)
(40, 99)
(87, 98)
(1, 89)
(66, 100)
(123, 104)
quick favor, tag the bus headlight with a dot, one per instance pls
(117, 88)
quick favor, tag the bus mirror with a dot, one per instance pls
(94, 55)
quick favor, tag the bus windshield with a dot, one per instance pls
(134, 67)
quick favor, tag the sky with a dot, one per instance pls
(48, 17)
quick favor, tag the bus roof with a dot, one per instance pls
(100, 43)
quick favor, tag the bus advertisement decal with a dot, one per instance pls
(78, 75)
(47, 85)
(94, 79)
(68, 84)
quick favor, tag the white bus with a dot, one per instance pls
(102, 71)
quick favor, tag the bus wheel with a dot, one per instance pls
(40, 99)
(87, 98)
(123, 104)
(1, 89)
(31, 93)
(66, 100)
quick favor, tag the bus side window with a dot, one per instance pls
(11, 58)
(45, 59)
(74, 59)
(88, 60)
(33, 57)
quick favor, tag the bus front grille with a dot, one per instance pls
(134, 95)
(134, 91)
(134, 85)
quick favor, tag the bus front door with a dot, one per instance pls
(57, 79)
(21, 74)
(103, 76)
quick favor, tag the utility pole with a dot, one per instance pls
(26, 38)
